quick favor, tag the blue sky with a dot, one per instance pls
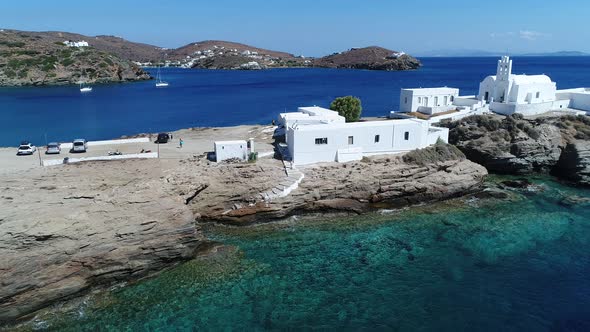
(319, 27)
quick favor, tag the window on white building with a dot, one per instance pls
(350, 140)
(407, 136)
(376, 138)
(452, 98)
(436, 101)
(419, 100)
(538, 94)
(406, 100)
(446, 100)
(323, 140)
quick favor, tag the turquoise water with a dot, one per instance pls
(516, 265)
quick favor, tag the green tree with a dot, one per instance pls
(349, 107)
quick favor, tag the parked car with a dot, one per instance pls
(79, 145)
(25, 148)
(163, 138)
(53, 148)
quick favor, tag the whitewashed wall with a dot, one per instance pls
(429, 100)
(231, 149)
(527, 93)
(303, 149)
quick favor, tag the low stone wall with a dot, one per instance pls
(149, 155)
(110, 142)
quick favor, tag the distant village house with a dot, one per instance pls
(81, 43)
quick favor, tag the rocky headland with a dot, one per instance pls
(67, 229)
(370, 58)
(36, 59)
(558, 145)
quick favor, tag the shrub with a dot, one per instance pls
(433, 154)
(532, 132)
(10, 73)
(349, 107)
(252, 157)
(67, 62)
(12, 44)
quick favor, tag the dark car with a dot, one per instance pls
(163, 138)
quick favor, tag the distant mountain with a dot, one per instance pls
(459, 53)
(560, 53)
(42, 58)
(481, 53)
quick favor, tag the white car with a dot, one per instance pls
(79, 145)
(25, 148)
(53, 148)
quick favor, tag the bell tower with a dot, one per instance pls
(503, 75)
(504, 70)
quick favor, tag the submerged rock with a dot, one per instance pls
(520, 183)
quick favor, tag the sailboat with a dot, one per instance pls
(159, 82)
(84, 87)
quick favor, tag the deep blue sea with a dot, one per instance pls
(198, 98)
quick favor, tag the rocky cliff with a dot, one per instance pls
(353, 187)
(64, 230)
(514, 145)
(34, 58)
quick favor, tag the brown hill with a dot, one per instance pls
(208, 54)
(220, 45)
(41, 58)
(373, 58)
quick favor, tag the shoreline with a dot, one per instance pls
(223, 252)
(92, 223)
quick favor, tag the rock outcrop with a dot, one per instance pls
(513, 145)
(351, 187)
(34, 58)
(574, 163)
(67, 229)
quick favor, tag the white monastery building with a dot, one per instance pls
(316, 134)
(503, 93)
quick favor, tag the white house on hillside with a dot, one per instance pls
(76, 44)
(317, 139)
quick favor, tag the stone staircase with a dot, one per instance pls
(284, 187)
